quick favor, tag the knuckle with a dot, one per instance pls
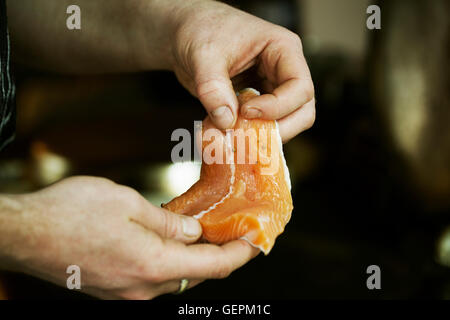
(296, 38)
(223, 271)
(277, 112)
(311, 117)
(308, 90)
(211, 87)
(311, 90)
(132, 198)
(292, 37)
(207, 87)
(170, 225)
(274, 111)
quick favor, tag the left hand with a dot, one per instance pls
(125, 247)
(214, 42)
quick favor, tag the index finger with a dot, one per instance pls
(206, 261)
(285, 67)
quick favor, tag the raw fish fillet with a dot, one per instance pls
(239, 199)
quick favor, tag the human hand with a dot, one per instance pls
(125, 247)
(214, 42)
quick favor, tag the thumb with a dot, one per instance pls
(171, 225)
(215, 91)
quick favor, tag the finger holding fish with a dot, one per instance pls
(206, 261)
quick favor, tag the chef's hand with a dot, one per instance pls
(206, 43)
(214, 42)
(124, 246)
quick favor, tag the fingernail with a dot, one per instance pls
(252, 113)
(223, 117)
(191, 227)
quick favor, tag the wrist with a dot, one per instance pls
(12, 231)
(157, 23)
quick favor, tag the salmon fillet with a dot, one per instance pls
(242, 197)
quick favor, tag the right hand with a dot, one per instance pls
(214, 43)
(125, 247)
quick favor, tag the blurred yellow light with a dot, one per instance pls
(180, 176)
(443, 245)
(49, 166)
(52, 167)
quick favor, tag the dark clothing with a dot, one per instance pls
(7, 88)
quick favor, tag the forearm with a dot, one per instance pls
(11, 231)
(115, 35)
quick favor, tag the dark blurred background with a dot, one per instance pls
(371, 179)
